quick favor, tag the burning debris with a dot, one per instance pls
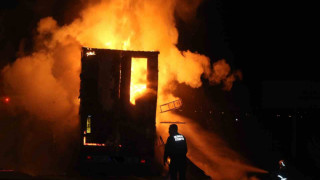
(118, 98)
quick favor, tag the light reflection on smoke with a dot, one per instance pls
(207, 151)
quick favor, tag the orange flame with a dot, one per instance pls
(138, 84)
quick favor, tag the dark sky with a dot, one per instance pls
(272, 42)
(266, 40)
(19, 18)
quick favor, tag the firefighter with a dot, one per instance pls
(282, 172)
(176, 150)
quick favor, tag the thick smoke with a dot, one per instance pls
(44, 87)
(45, 84)
(221, 73)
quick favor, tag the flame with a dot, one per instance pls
(126, 44)
(138, 83)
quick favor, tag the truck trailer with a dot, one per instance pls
(118, 101)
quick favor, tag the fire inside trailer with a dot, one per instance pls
(118, 98)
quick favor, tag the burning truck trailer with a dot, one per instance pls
(118, 99)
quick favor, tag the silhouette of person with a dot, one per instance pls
(282, 172)
(176, 150)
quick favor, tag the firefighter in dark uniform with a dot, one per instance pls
(176, 149)
(282, 172)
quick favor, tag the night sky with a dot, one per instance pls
(269, 41)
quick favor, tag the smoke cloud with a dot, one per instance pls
(45, 84)
(221, 73)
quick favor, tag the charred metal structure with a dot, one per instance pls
(113, 129)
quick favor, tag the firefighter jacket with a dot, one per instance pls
(176, 148)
